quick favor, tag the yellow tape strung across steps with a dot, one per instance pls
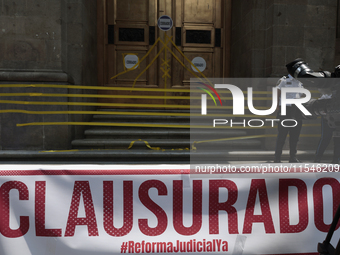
(115, 96)
(95, 88)
(138, 125)
(116, 104)
(193, 145)
(96, 104)
(75, 150)
(99, 124)
(146, 143)
(153, 148)
(124, 113)
(119, 88)
(130, 146)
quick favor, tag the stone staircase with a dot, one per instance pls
(109, 144)
(170, 144)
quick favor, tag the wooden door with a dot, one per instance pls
(128, 33)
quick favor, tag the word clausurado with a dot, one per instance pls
(236, 211)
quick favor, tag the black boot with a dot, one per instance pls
(294, 160)
(335, 161)
(277, 160)
(317, 160)
(336, 154)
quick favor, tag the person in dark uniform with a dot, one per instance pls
(326, 137)
(294, 127)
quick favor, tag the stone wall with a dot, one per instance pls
(268, 34)
(248, 38)
(36, 137)
(30, 35)
(304, 28)
(79, 52)
(45, 41)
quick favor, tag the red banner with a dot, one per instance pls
(78, 209)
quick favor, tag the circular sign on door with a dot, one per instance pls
(165, 23)
(199, 63)
(131, 60)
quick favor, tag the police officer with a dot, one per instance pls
(326, 137)
(293, 128)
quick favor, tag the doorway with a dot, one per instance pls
(142, 64)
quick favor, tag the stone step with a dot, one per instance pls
(158, 119)
(144, 156)
(184, 123)
(140, 118)
(159, 124)
(161, 118)
(137, 113)
(162, 143)
(173, 143)
(165, 133)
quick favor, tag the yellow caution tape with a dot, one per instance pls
(130, 146)
(124, 113)
(190, 71)
(59, 151)
(118, 104)
(192, 146)
(94, 87)
(139, 61)
(151, 62)
(153, 148)
(95, 104)
(101, 124)
(119, 88)
(166, 68)
(146, 143)
(185, 57)
(141, 125)
(115, 96)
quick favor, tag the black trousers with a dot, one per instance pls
(294, 132)
(326, 137)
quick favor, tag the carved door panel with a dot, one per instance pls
(130, 33)
(198, 35)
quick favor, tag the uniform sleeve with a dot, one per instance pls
(280, 83)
